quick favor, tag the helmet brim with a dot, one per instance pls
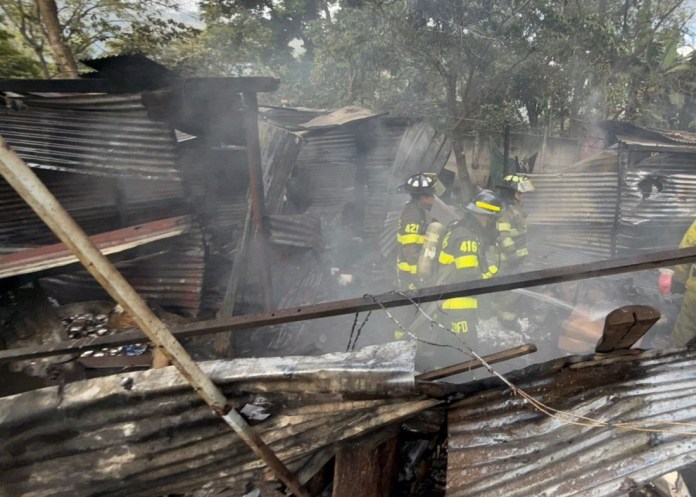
(406, 188)
(522, 186)
(472, 207)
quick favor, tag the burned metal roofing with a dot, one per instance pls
(98, 204)
(100, 135)
(147, 433)
(500, 445)
(57, 255)
(169, 274)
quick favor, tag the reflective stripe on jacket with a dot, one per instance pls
(410, 236)
(463, 254)
(512, 229)
(686, 273)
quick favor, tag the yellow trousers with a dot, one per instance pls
(685, 327)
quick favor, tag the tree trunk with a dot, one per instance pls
(462, 171)
(48, 13)
(457, 116)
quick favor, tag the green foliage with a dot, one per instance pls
(15, 63)
(462, 65)
(95, 28)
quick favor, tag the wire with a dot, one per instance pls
(352, 330)
(357, 334)
(562, 416)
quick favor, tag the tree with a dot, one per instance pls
(53, 32)
(15, 64)
(80, 29)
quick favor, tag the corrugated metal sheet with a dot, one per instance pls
(159, 437)
(658, 202)
(572, 210)
(578, 208)
(107, 136)
(296, 230)
(421, 149)
(172, 277)
(328, 162)
(279, 151)
(500, 445)
(96, 203)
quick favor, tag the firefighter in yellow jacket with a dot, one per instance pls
(512, 223)
(463, 258)
(413, 222)
(685, 327)
(512, 241)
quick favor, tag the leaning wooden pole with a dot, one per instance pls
(18, 174)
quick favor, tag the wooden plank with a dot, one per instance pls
(365, 471)
(504, 355)
(626, 325)
(387, 300)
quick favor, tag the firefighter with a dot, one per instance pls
(413, 222)
(512, 241)
(463, 258)
(512, 224)
(685, 274)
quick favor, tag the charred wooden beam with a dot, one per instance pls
(370, 303)
(504, 355)
(624, 326)
(366, 469)
(256, 194)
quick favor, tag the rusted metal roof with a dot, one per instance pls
(338, 117)
(386, 138)
(51, 256)
(500, 445)
(154, 436)
(172, 276)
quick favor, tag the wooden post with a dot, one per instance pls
(18, 174)
(261, 233)
(366, 469)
